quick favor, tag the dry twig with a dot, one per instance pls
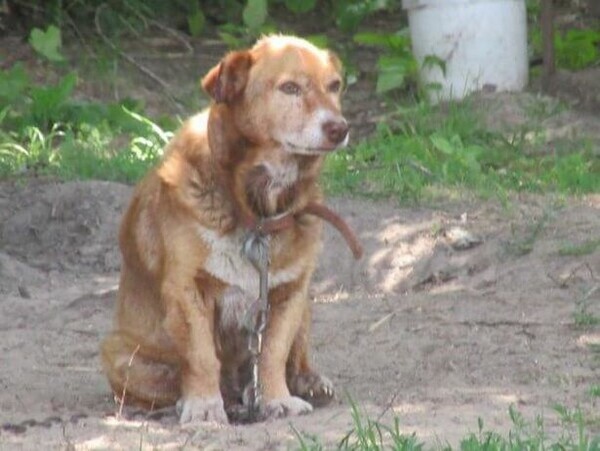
(131, 60)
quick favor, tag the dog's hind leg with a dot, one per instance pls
(135, 374)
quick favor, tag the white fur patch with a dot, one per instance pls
(282, 176)
(234, 304)
(311, 138)
(226, 263)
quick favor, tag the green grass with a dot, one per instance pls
(422, 150)
(367, 434)
(523, 243)
(580, 249)
(46, 131)
(417, 153)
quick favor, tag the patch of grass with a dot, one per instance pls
(525, 243)
(575, 49)
(582, 317)
(44, 130)
(368, 434)
(422, 148)
(578, 250)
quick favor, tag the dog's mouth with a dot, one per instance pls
(309, 150)
(305, 150)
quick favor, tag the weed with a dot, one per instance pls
(47, 43)
(582, 317)
(368, 434)
(306, 441)
(578, 250)
(424, 147)
(575, 49)
(524, 244)
(397, 65)
(44, 130)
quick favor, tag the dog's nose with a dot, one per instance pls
(336, 131)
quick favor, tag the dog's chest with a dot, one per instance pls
(227, 263)
(269, 187)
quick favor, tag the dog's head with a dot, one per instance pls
(283, 92)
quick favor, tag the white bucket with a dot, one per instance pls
(482, 42)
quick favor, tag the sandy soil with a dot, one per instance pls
(435, 335)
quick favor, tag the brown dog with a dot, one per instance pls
(255, 154)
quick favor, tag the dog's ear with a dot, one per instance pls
(227, 80)
(336, 61)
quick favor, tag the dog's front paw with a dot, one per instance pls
(196, 409)
(314, 388)
(286, 407)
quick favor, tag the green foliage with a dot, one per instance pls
(300, 6)
(348, 14)
(134, 16)
(397, 64)
(255, 13)
(195, 18)
(577, 250)
(47, 43)
(575, 49)
(366, 434)
(421, 148)
(44, 130)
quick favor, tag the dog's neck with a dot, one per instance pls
(261, 180)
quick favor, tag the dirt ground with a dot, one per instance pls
(419, 328)
(435, 335)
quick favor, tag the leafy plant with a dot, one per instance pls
(575, 49)
(348, 14)
(423, 148)
(300, 6)
(397, 64)
(255, 13)
(587, 247)
(372, 435)
(44, 130)
(195, 18)
(47, 43)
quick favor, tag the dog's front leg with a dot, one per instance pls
(189, 321)
(287, 304)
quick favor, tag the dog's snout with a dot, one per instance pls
(335, 131)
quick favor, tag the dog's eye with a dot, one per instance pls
(334, 86)
(290, 88)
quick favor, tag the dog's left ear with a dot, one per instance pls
(227, 80)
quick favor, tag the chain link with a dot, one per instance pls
(256, 249)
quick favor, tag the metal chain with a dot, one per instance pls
(256, 249)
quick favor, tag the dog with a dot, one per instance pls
(250, 162)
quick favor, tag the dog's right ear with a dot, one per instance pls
(227, 80)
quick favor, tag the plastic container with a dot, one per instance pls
(482, 42)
